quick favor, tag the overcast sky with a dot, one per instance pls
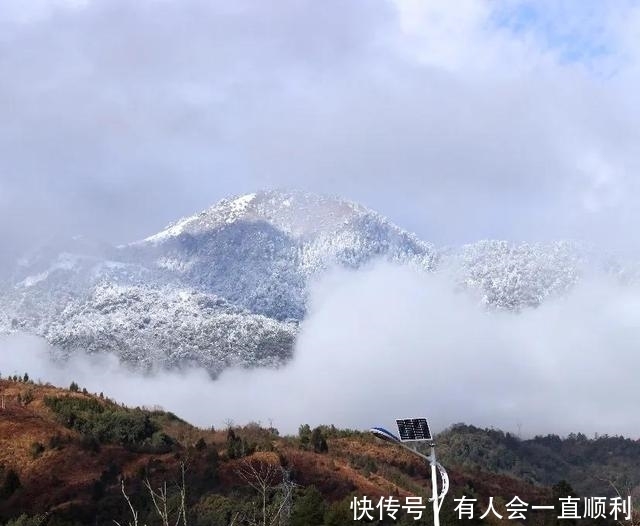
(459, 120)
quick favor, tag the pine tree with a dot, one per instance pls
(304, 434)
(309, 508)
(318, 441)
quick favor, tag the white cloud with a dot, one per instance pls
(442, 35)
(388, 342)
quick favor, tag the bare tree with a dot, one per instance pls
(287, 487)
(160, 499)
(275, 492)
(634, 512)
(134, 513)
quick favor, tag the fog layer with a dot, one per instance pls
(389, 342)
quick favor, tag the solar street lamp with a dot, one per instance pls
(414, 431)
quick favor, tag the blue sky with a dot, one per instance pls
(582, 42)
(577, 32)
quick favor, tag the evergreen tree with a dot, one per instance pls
(235, 445)
(339, 514)
(318, 441)
(304, 435)
(309, 508)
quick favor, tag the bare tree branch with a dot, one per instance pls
(134, 513)
(160, 500)
(633, 512)
(268, 480)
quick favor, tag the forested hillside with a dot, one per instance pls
(69, 457)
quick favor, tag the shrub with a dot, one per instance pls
(27, 397)
(238, 447)
(318, 441)
(158, 443)
(36, 449)
(25, 520)
(304, 435)
(309, 508)
(10, 484)
(109, 424)
(56, 441)
(90, 443)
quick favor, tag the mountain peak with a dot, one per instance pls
(229, 285)
(295, 213)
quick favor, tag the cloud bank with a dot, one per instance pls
(459, 120)
(389, 342)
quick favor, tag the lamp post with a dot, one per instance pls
(415, 431)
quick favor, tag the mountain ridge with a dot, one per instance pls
(199, 291)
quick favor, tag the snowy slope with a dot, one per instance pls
(514, 276)
(169, 327)
(259, 251)
(224, 287)
(228, 286)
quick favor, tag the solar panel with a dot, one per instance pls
(413, 429)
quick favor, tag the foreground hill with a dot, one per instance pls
(229, 286)
(66, 456)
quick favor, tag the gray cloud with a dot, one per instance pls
(456, 120)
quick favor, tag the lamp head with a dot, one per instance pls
(383, 434)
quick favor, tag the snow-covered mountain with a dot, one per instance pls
(258, 251)
(224, 287)
(515, 276)
(228, 286)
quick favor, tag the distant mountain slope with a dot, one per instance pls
(229, 285)
(589, 464)
(169, 327)
(511, 276)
